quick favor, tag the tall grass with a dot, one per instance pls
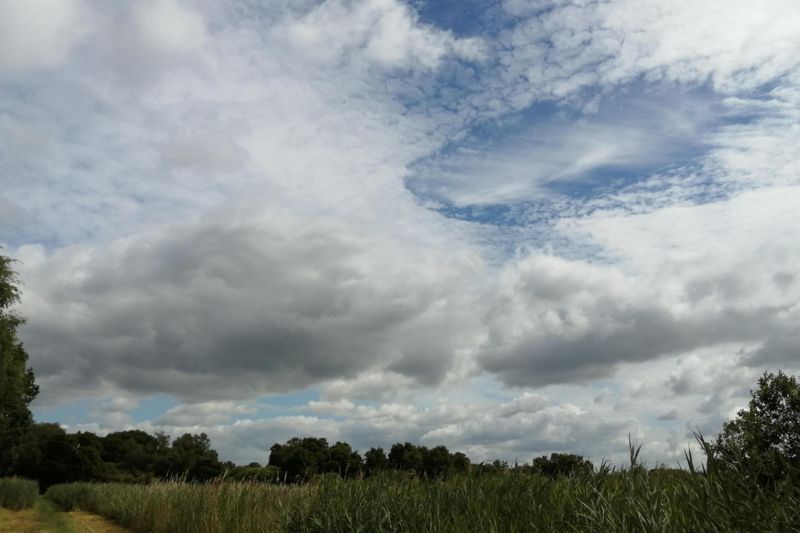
(634, 500)
(631, 500)
(16, 493)
(176, 507)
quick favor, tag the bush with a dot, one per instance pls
(17, 493)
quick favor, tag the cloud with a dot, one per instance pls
(203, 413)
(634, 134)
(210, 202)
(560, 49)
(39, 34)
(521, 429)
(167, 27)
(238, 304)
(386, 33)
(682, 278)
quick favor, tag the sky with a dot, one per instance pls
(509, 227)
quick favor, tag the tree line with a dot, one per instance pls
(47, 453)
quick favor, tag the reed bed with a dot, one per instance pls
(18, 493)
(627, 501)
(177, 507)
(606, 501)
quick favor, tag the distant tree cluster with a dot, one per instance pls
(51, 455)
(300, 459)
(561, 464)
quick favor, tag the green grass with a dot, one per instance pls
(50, 515)
(629, 501)
(16, 493)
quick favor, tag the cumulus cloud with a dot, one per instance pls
(234, 306)
(682, 278)
(521, 429)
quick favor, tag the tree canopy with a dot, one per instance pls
(764, 439)
(17, 385)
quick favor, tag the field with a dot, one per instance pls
(605, 501)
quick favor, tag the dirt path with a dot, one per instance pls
(47, 518)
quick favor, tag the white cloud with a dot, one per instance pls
(384, 32)
(634, 133)
(38, 34)
(677, 279)
(167, 27)
(203, 413)
(560, 51)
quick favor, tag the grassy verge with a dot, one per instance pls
(16, 493)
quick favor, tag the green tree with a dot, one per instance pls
(461, 462)
(343, 460)
(133, 455)
(193, 456)
(375, 461)
(437, 462)
(406, 456)
(17, 385)
(561, 464)
(299, 459)
(50, 455)
(763, 439)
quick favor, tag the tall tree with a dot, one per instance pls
(17, 385)
(193, 456)
(764, 439)
(375, 461)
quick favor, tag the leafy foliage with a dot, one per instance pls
(17, 385)
(430, 463)
(375, 461)
(561, 464)
(763, 439)
(299, 459)
(51, 455)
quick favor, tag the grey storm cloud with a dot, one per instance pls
(230, 308)
(225, 308)
(559, 321)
